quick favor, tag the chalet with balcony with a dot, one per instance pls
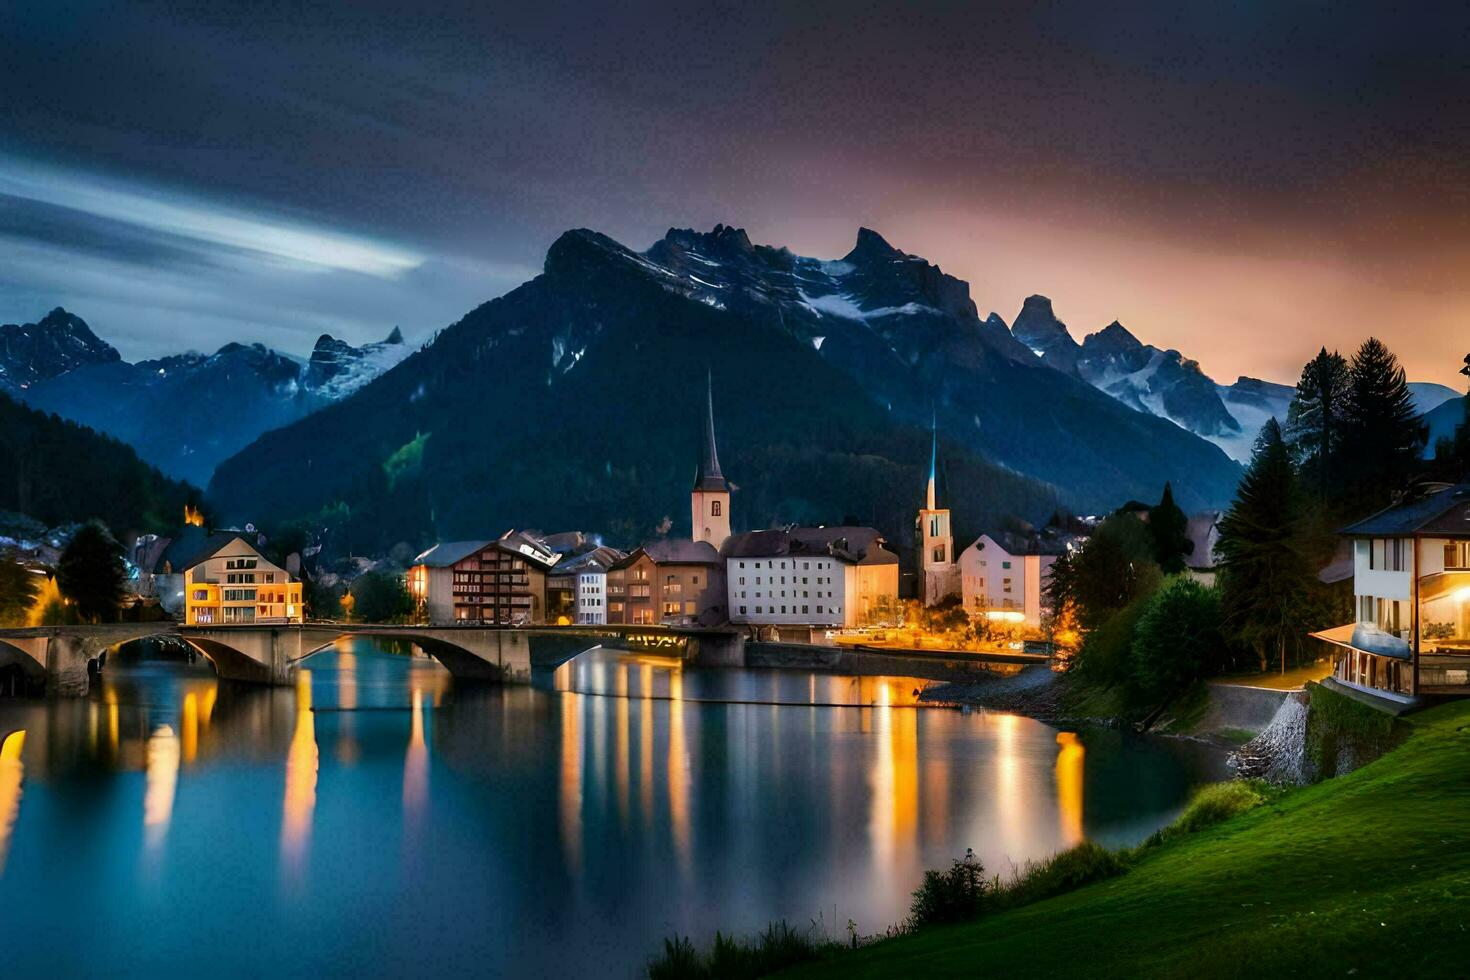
(227, 582)
(1411, 587)
(500, 582)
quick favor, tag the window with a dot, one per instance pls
(694, 580)
(742, 610)
(939, 553)
(1457, 555)
(714, 508)
(933, 527)
(1005, 564)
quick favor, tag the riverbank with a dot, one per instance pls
(1364, 874)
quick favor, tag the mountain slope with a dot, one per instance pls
(59, 342)
(186, 413)
(574, 400)
(57, 472)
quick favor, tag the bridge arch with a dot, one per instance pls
(20, 670)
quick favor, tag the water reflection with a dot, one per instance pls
(301, 773)
(12, 774)
(545, 831)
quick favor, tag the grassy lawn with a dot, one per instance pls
(1365, 875)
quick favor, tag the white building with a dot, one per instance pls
(1003, 576)
(1411, 591)
(810, 576)
(592, 597)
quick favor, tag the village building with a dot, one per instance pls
(673, 582)
(810, 577)
(1410, 637)
(501, 581)
(228, 582)
(1202, 530)
(1004, 575)
(576, 589)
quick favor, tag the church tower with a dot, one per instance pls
(709, 501)
(939, 573)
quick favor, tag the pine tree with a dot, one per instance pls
(1384, 436)
(91, 573)
(1316, 419)
(1266, 580)
(1169, 528)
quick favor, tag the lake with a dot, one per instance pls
(378, 819)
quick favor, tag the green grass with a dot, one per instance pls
(1368, 873)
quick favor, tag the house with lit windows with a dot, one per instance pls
(228, 582)
(671, 582)
(1410, 637)
(501, 581)
(1003, 576)
(810, 577)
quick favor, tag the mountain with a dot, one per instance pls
(187, 412)
(337, 369)
(1167, 384)
(1442, 421)
(575, 399)
(58, 472)
(60, 342)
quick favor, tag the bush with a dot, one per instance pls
(1060, 873)
(1210, 805)
(1105, 654)
(777, 948)
(949, 896)
(1177, 640)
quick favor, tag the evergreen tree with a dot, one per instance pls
(1177, 640)
(1169, 528)
(1266, 579)
(17, 592)
(1113, 569)
(91, 573)
(378, 597)
(1384, 436)
(1316, 419)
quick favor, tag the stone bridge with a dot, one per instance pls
(63, 656)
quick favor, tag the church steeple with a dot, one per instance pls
(709, 501)
(933, 459)
(708, 476)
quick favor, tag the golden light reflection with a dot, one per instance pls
(415, 768)
(570, 796)
(347, 748)
(893, 820)
(645, 745)
(621, 748)
(112, 724)
(301, 773)
(1069, 786)
(12, 775)
(189, 727)
(678, 771)
(1012, 807)
(161, 774)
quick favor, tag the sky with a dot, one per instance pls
(1244, 182)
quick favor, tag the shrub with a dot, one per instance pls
(949, 896)
(1210, 805)
(778, 947)
(1062, 872)
(1105, 652)
(1177, 640)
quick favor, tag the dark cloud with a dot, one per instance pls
(1256, 150)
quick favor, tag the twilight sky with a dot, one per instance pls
(1242, 181)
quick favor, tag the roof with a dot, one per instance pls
(708, 476)
(211, 546)
(1442, 514)
(1048, 542)
(598, 559)
(854, 545)
(674, 551)
(448, 553)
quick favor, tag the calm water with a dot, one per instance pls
(378, 820)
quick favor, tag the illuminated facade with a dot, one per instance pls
(709, 501)
(500, 581)
(1003, 577)
(811, 576)
(230, 583)
(1411, 590)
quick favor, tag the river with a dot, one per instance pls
(379, 820)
